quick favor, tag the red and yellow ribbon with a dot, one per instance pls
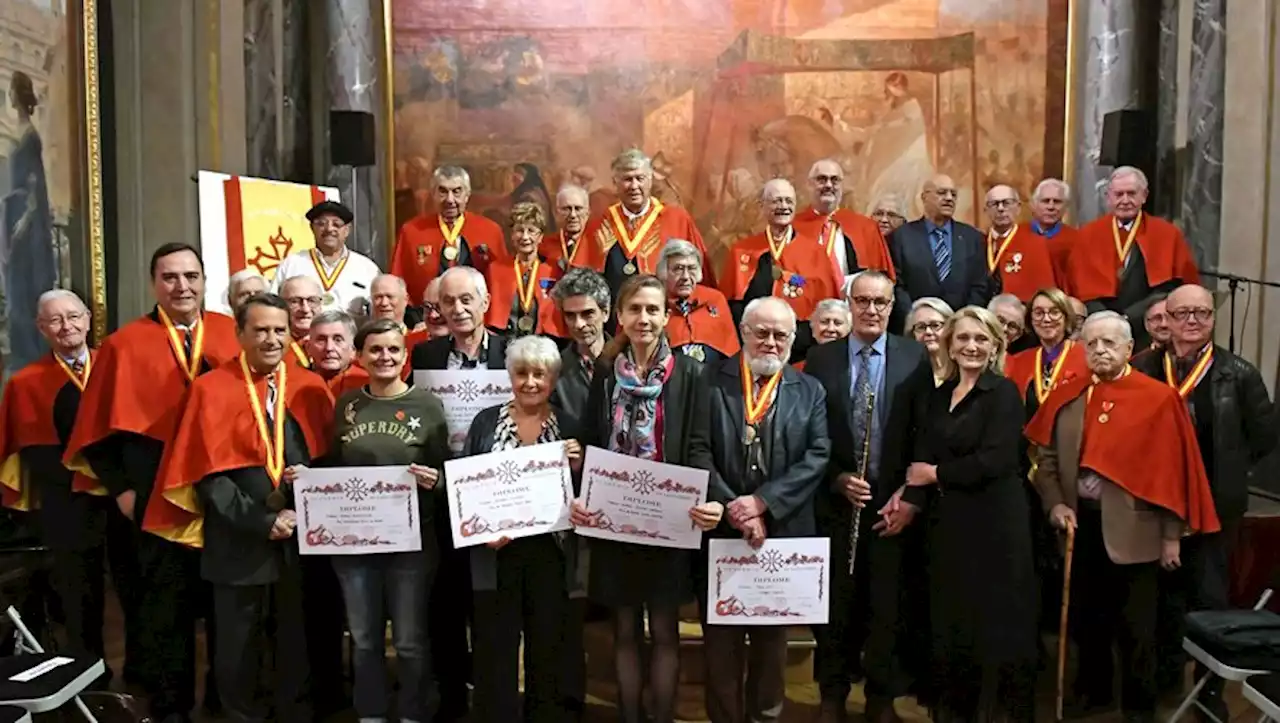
(302, 355)
(630, 243)
(272, 434)
(190, 367)
(757, 406)
(80, 379)
(1197, 372)
(1044, 386)
(452, 233)
(1123, 249)
(777, 247)
(525, 289)
(327, 280)
(566, 254)
(993, 257)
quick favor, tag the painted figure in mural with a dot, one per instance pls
(28, 227)
(529, 187)
(896, 157)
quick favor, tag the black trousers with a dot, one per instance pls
(80, 583)
(1203, 582)
(324, 620)
(123, 561)
(448, 614)
(170, 597)
(242, 612)
(837, 662)
(1112, 604)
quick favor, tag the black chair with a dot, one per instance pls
(1263, 691)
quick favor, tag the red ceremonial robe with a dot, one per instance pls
(26, 420)
(605, 250)
(137, 385)
(503, 313)
(1021, 369)
(419, 254)
(553, 251)
(1060, 247)
(708, 323)
(296, 355)
(353, 377)
(217, 432)
(1135, 409)
(1094, 264)
(1022, 261)
(868, 243)
(807, 274)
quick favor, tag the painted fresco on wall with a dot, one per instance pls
(724, 95)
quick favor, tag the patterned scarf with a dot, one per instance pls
(506, 436)
(635, 403)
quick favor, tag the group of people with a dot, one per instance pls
(943, 404)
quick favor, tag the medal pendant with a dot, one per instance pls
(275, 500)
(697, 353)
(629, 269)
(1104, 418)
(749, 434)
(450, 253)
(777, 273)
(525, 324)
(328, 299)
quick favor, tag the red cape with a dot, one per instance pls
(709, 322)
(1093, 266)
(26, 420)
(552, 249)
(296, 355)
(218, 433)
(416, 258)
(136, 385)
(802, 257)
(1021, 367)
(599, 237)
(1147, 446)
(502, 291)
(353, 377)
(863, 231)
(1060, 246)
(1025, 266)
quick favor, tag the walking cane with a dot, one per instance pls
(1062, 619)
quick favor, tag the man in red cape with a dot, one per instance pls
(1021, 260)
(564, 248)
(852, 241)
(1119, 464)
(1048, 204)
(70, 510)
(1125, 258)
(127, 415)
(330, 346)
(431, 243)
(222, 488)
(305, 298)
(701, 324)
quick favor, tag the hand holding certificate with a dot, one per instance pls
(627, 499)
(787, 581)
(357, 510)
(516, 493)
(464, 392)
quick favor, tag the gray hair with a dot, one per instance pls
(1122, 171)
(876, 274)
(404, 288)
(581, 281)
(928, 302)
(773, 183)
(1108, 315)
(452, 173)
(336, 316)
(573, 189)
(241, 276)
(678, 248)
(839, 306)
(813, 170)
(1058, 183)
(630, 160)
(1007, 300)
(891, 202)
(432, 284)
(301, 278)
(53, 295)
(476, 278)
(533, 351)
(754, 305)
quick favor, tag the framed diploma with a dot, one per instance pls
(786, 582)
(357, 511)
(517, 493)
(642, 502)
(464, 393)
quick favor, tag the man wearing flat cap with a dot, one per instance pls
(344, 275)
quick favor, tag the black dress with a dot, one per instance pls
(983, 591)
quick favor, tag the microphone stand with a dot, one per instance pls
(1233, 286)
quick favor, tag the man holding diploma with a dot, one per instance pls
(770, 447)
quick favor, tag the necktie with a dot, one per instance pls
(861, 393)
(271, 399)
(829, 232)
(77, 366)
(186, 343)
(941, 254)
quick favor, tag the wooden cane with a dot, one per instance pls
(1062, 618)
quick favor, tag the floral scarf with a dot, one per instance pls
(635, 403)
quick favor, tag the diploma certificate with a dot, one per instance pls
(517, 493)
(464, 392)
(786, 582)
(357, 511)
(642, 502)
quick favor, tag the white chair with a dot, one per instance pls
(1216, 667)
(1263, 692)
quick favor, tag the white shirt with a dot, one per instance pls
(351, 290)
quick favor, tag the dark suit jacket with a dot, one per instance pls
(912, 252)
(573, 386)
(796, 447)
(434, 353)
(829, 364)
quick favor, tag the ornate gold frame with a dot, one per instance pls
(91, 178)
(389, 127)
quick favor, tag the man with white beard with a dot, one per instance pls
(769, 442)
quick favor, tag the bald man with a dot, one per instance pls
(1235, 425)
(939, 256)
(852, 241)
(573, 208)
(305, 298)
(1019, 260)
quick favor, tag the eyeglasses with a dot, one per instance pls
(1201, 315)
(762, 335)
(684, 269)
(879, 303)
(57, 322)
(930, 326)
(1002, 203)
(1052, 314)
(1011, 326)
(883, 215)
(298, 302)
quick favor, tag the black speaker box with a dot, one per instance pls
(1129, 139)
(352, 138)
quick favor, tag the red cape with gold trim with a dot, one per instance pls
(353, 377)
(416, 258)
(802, 257)
(218, 433)
(1093, 265)
(868, 243)
(136, 385)
(1147, 446)
(26, 420)
(599, 237)
(1025, 266)
(1060, 247)
(552, 249)
(1021, 367)
(502, 291)
(709, 322)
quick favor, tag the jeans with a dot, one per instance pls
(376, 587)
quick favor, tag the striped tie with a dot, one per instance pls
(941, 254)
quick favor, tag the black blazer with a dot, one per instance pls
(573, 386)
(912, 253)
(797, 448)
(434, 353)
(829, 364)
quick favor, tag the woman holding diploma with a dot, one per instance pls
(648, 403)
(390, 424)
(522, 586)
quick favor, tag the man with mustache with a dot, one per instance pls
(343, 275)
(700, 325)
(1129, 511)
(562, 248)
(1048, 205)
(780, 262)
(304, 298)
(852, 241)
(767, 489)
(1127, 257)
(452, 236)
(330, 346)
(939, 256)
(1022, 261)
(128, 414)
(221, 488)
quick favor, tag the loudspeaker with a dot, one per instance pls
(1129, 139)
(352, 140)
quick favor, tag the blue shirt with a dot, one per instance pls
(876, 364)
(1050, 232)
(946, 235)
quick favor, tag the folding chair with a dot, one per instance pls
(1216, 667)
(1263, 691)
(62, 678)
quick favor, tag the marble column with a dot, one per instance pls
(351, 65)
(278, 90)
(1164, 199)
(1110, 49)
(1202, 194)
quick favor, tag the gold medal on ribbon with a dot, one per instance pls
(749, 436)
(190, 367)
(525, 324)
(1122, 250)
(272, 434)
(630, 243)
(451, 235)
(629, 269)
(526, 284)
(1044, 386)
(994, 254)
(327, 280)
(777, 273)
(81, 379)
(450, 253)
(567, 254)
(1193, 379)
(755, 407)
